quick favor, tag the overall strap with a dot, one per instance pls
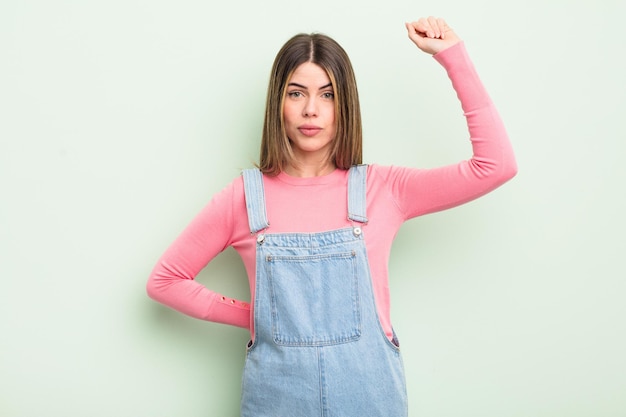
(357, 203)
(255, 199)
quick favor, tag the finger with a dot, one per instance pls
(443, 27)
(434, 25)
(429, 29)
(415, 29)
(416, 36)
(423, 27)
(410, 29)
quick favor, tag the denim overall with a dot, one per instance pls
(319, 349)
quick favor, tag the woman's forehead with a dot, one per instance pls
(310, 75)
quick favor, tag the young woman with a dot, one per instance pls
(314, 228)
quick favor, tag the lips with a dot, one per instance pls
(309, 130)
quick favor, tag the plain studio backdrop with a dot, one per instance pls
(120, 119)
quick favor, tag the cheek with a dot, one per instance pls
(330, 112)
(288, 114)
(289, 121)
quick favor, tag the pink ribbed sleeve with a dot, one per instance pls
(422, 191)
(172, 281)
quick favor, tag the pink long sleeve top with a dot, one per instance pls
(394, 195)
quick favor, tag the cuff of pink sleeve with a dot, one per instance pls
(452, 55)
(465, 79)
(230, 311)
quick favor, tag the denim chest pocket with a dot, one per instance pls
(314, 299)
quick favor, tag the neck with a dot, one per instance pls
(306, 169)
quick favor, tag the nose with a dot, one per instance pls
(310, 107)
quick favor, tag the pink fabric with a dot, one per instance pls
(394, 195)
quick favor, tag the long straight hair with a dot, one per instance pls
(347, 149)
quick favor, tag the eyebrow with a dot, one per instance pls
(306, 88)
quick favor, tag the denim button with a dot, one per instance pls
(260, 239)
(357, 231)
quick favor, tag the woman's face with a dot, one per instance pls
(309, 113)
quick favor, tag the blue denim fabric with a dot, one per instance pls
(357, 202)
(255, 199)
(319, 349)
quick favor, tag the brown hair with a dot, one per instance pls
(322, 50)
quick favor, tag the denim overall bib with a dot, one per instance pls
(319, 349)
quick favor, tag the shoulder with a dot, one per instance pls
(387, 173)
(230, 196)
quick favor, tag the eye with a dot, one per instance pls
(294, 94)
(328, 95)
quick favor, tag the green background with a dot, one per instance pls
(120, 119)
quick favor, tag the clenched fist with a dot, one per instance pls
(431, 34)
